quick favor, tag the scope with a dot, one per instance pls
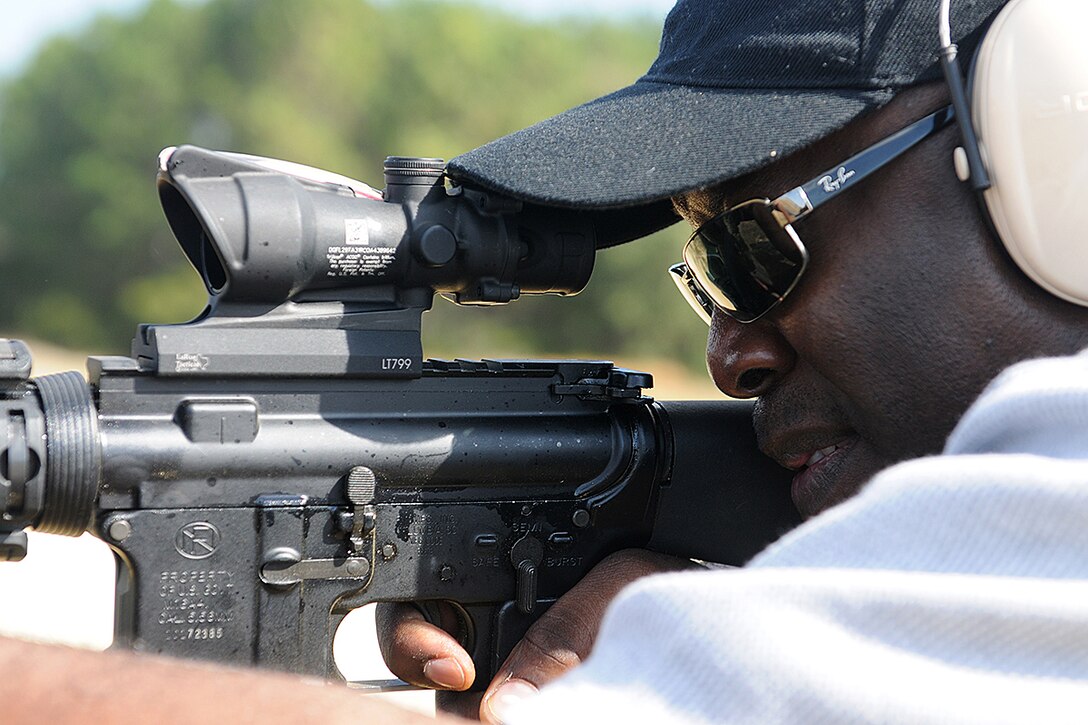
(333, 275)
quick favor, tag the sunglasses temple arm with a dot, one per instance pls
(695, 297)
(840, 178)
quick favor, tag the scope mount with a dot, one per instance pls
(296, 339)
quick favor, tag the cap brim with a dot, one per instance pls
(635, 148)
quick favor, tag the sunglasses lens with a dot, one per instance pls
(745, 260)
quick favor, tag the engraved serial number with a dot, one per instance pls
(396, 363)
(184, 634)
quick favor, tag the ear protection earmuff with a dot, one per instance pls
(1025, 136)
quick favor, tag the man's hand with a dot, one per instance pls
(426, 655)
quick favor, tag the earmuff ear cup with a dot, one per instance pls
(1029, 103)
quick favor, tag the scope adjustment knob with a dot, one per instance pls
(413, 170)
(436, 246)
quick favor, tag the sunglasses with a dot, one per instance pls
(749, 258)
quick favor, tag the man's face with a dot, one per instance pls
(906, 311)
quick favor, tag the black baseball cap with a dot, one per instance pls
(737, 84)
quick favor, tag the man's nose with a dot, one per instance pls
(747, 360)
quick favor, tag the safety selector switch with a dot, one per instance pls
(526, 555)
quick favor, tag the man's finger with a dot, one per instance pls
(421, 653)
(552, 646)
(563, 636)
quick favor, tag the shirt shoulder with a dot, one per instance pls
(1038, 407)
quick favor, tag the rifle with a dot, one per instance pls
(289, 455)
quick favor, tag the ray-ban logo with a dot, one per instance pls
(834, 183)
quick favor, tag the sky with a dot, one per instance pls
(26, 23)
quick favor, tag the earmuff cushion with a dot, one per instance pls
(1030, 111)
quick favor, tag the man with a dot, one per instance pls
(950, 588)
(907, 308)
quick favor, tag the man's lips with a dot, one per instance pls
(815, 485)
(818, 455)
(804, 450)
(811, 435)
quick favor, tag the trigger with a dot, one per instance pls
(463, 630)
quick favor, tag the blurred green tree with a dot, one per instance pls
(339, 84)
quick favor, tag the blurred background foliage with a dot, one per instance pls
(85, 253)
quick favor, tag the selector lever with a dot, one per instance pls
(526, 555)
